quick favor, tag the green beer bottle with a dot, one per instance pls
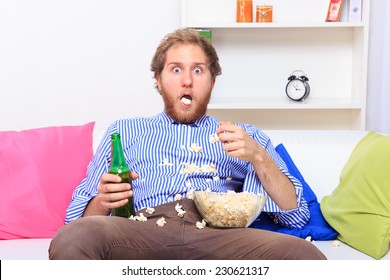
(120, 168)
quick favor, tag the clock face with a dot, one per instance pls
(296, 89)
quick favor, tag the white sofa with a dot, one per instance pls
(319, 155)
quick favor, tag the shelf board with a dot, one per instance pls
(317, 24)
(283, 103)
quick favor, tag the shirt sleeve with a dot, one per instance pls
(294, 218)
(87, 189)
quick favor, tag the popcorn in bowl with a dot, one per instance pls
(230, 209)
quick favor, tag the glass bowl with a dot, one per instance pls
(230, 209)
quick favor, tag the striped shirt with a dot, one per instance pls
(172, 158)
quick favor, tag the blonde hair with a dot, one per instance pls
(185, 36)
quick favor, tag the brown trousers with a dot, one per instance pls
(104, 237)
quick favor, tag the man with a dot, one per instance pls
(159, 151)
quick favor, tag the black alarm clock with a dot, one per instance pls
(298, 88)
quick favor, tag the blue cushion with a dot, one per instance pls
(317, 227)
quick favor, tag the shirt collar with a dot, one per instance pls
(203, 121)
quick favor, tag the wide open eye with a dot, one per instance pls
(176, 69)
(198, 70)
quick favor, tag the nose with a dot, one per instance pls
(187, 79)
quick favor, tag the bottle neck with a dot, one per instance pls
(118, 161)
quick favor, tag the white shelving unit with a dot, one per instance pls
(257, 59)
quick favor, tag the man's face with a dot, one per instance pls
(185, 83)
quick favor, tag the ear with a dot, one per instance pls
(158, 82)
(212, 84)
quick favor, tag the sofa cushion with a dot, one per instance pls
(317, 227)
(39, 169)
(359, 208)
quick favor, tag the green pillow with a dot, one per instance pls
(359, 208)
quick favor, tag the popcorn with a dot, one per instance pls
(141, 218)
(188, 184)
(309, 239)
(178, 207)
(178, 196)
(213, 138)
(191, 194)
(181, 213)
(150, 210)
(161, 222)
(336, 243)
(201, 225)
(209, 168)
(195, 148)
(166, 163)
(229, 209)
(179, 210)
(191, 168)
(186, 101)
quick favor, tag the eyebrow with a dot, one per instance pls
(179, 63)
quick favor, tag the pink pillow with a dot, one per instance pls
(39, 169)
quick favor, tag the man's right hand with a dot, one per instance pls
(111, 194)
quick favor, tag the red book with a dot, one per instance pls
(334, 10)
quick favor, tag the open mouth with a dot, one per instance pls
(186, 100)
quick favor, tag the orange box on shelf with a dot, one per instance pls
(244, 11)
(263, 13)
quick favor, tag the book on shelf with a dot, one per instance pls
(334, 10)
(205, 33)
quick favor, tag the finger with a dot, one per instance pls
(134, 176)
(105, 186)
(117, 187)
(117, 204)
(110, 178)
(232, 146)
(235, 154)
(109, 197)
(117, 196)
(226, 127)
(229, 128)
(226, 137)
(232, 136)
(225, 123)
(111, 204)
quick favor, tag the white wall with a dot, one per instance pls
(378, 97)
(75, 61)
(63, 62)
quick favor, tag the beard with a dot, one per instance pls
(182, 115)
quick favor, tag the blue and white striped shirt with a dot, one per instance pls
(165, 154)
